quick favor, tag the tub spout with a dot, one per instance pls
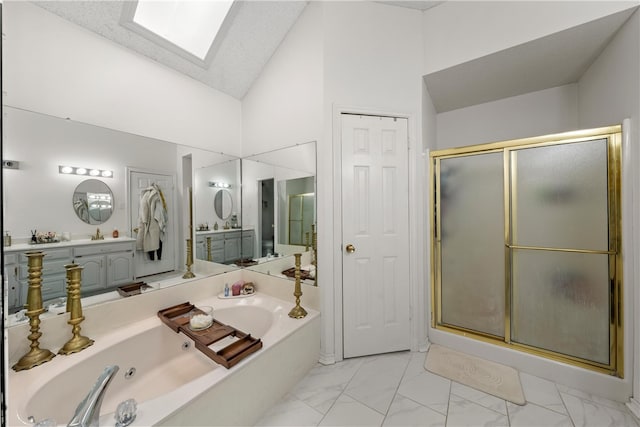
(88, 411)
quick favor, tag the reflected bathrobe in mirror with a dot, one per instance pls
(152, 221)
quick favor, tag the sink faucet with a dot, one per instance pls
(98, 235)
(88, 411)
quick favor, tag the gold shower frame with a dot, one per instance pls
(613, 134)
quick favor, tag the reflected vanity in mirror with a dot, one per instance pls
(93, 201)
(219, 235)
(279, 204)
(74, 207)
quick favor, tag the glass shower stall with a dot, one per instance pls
(526, 245)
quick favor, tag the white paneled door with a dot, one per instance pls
(163, 259)
(375, 235)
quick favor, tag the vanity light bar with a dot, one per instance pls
(219, 184)
(72, 170)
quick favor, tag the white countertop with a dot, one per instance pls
(223, 230)
(77, 242)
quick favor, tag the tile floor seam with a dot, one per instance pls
(362, 403)
(476, 403)
(345, 391)
(422, 404)
(330, 408)
(566, 407)
(446, 416)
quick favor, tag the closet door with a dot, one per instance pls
(470, 242)
(561, 253)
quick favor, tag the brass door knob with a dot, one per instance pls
(135, 230)
(350, 248)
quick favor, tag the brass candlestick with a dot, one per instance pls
(189, 274)
(77, 342)
(297, 312)
(306, 241)
(314, 253)
(36, 355)
(209, 257)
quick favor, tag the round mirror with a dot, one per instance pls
(93, 201)
(223, 204)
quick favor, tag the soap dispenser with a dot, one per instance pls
(7, 239)
(226, 289)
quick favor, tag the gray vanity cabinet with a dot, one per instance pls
(105, 265)
(53, 276)
(93, 277)
(11, 273)
(217, 247)
(120, 268)
(248, 237)
(227, 246)
(232, 246)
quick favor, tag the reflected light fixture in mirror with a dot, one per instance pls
(217, 184)
(72, 170)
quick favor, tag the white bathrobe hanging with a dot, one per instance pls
(152, 219)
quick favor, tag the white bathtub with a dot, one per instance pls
(173, 384)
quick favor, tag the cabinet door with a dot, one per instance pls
(93, 272)
(217, 255)
(201, 248)
(231, 249)
(247, 246)
(53, 286)
(13, 302)
(119, 268)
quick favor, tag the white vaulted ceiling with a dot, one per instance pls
(256, 31)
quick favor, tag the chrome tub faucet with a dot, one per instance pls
(88, 411)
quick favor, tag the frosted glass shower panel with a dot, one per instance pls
(561, 303)
(472, 244)
(559, 196)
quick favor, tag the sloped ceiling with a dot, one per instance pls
(555, 60)
(254, 35)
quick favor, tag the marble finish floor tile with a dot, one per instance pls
(587, 413)
(324, 384)
(479, 397)
(463, 412)
(291, 412)
(406, 412)
(532, 415)
(542, 392)
(376, 382)
(349, 412)
(427, 389)
(395, 390)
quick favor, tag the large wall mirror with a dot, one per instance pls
(217, 189)
(65, 205)
(279, 205)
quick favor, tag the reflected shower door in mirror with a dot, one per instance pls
(217, 209)
(279, 204)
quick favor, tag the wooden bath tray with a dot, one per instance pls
(177, 318)
(130, 289)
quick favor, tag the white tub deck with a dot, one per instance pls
(171, 384)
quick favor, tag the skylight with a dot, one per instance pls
(190, 25)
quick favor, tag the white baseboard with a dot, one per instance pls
(327, 359)
(634, 407)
